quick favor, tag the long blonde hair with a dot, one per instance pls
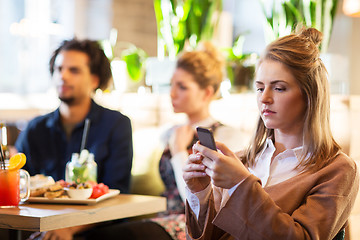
(299, 52)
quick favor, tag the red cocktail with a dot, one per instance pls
(9, 188)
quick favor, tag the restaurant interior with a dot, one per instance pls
(32, 29)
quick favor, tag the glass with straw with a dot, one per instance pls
(82, 167)
(14, 182)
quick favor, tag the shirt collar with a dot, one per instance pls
(282, 167)
(270, 148)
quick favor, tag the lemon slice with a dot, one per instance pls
(17, 161)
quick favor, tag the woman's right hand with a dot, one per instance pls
(194, 173)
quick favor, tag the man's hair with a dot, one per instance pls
(98, 62)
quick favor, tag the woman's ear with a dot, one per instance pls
(209, 93)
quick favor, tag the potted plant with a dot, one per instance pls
(132, 56)
(240, 67)
(135, 58)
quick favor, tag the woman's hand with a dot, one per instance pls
(194, 173)
(181, 138)
(225, 169)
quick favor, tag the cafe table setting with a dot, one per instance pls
(38, 203)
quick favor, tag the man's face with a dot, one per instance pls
(72, 77)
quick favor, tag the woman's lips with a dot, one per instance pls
(267, 112)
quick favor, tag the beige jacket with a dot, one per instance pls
(307, 206)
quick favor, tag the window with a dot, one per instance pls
(32, 29)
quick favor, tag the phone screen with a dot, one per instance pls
(206, 137)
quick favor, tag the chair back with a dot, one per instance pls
(340, 235)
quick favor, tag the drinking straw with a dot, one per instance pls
(2, 159)
(85, 134)
(3, 137)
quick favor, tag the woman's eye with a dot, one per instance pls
(259, 89)
(182, 87)
(279, 89)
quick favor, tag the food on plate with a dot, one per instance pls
(55, 194)
(63, 189)
(54, 188)
(79, 186)
(52, 191)
(38, 192)
(79, 193)
(99, 190)
(40, 181)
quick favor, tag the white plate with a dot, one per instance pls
(111, 193)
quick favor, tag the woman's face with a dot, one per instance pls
(280, 100)
(186, 95)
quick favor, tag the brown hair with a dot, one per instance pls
(299, 52)
(205, 63)
(98, 62)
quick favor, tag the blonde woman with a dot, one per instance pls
(194, 84)
(293, 182)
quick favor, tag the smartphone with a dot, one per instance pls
(206, 137)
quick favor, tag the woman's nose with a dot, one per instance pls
(266, 96)
(172, 92)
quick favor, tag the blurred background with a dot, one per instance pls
(142, 39)
(31, 29)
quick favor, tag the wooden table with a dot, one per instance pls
(44, 217)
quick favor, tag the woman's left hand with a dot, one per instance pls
(225, 169)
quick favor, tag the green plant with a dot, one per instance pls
(133, 56)
(235, 53)
(240, 67)
(234, 57)
(285, 15)
(179, 21)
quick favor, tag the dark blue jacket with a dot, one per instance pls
(48, 150)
